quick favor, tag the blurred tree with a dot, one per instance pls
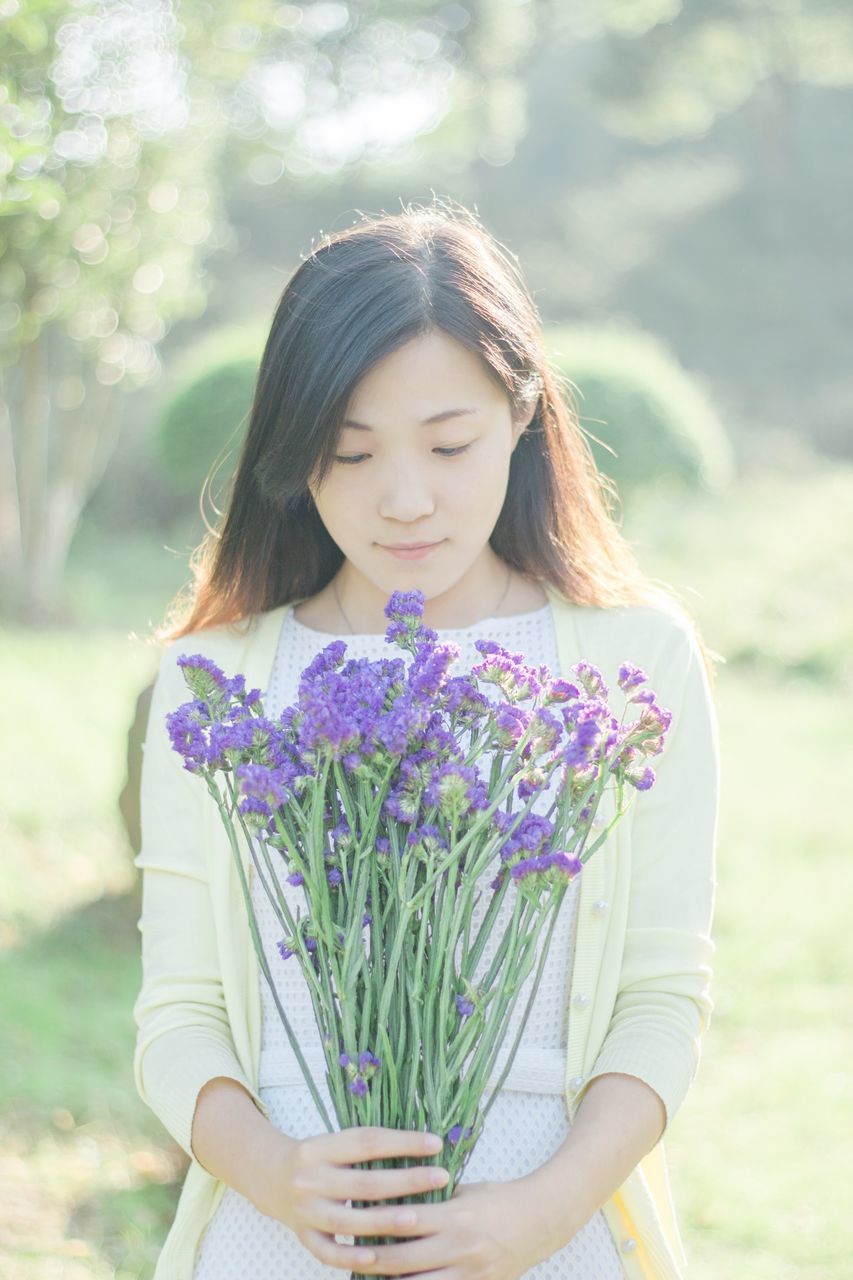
(105, 205)
(115, 124)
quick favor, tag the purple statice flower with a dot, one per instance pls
(227, 738)
(645, 736)
(427, 843)
(509, 671)
(403, 803)
(259, 782)
(642, 780)
(417, 768)
(207, 681)
(256, 813)
(335, 876)
(296, 878)
(546, 732)
(592, 680)
(402, 723)
(510, 725)
(283, 950)
(532, 832)
(464, 701)
(457, 789)
(187, 726)
(328, 659)
(341, 833)
(361, 1072)
(439, 740)
(382, 845)
(583, 721)
(530, 781)
(428, 671)
(559, 690)
(456, 1135)
(465, 1007)
(630, 677)
(565, 865)
(326, 697)
(405, 611)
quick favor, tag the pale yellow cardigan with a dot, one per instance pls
(639, 1000)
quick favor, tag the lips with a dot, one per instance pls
(413, 551)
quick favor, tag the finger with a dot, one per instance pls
(373, 1142)
(400, 1220)
(382, 1184)
(326, 1248)
(414, 1258)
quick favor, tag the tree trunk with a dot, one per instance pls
(61, 456)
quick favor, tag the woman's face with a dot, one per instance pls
(401, 478)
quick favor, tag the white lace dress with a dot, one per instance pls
(527, 1122)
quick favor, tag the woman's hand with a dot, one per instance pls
(306, 1183)
(485, 1231)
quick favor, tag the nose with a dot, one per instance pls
(405, 492)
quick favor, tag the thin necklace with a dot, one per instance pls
(492, 615)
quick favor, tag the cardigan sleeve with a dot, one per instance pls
(663, 1004)
(183, 1035)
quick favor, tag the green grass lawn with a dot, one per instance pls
(760, 1168)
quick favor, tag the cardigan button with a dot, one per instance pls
(600, 907)
(575, 1083)
(629, 1245)
(581, 1000)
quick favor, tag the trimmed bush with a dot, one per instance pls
(204, 420)
(633, 396)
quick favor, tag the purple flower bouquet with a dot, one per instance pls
(371, 794)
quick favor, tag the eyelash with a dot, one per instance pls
(445, 453)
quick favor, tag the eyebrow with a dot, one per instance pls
(436, 417)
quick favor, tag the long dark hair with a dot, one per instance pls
(359, 295)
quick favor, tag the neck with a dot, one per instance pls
(453, 609)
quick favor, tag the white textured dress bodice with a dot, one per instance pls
(526, 1123)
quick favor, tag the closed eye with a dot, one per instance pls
(445, 453)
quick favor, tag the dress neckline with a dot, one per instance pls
(503, 620)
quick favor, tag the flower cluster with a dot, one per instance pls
(365, 789)
(360, 1072)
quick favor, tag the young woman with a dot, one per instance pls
(407, 432)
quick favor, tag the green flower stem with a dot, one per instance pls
(474, 1085)
(259, 951)
(555, 909)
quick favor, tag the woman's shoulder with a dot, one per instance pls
(227, 643)
(654, 625)
(658, 635)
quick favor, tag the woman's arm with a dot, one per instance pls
(183, 1035)
(618, 1122)
(663, 1003)
(663, 1006)
(231, 1139)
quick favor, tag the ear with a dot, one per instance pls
(520, 422)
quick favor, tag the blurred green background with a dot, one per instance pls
(673, 180)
